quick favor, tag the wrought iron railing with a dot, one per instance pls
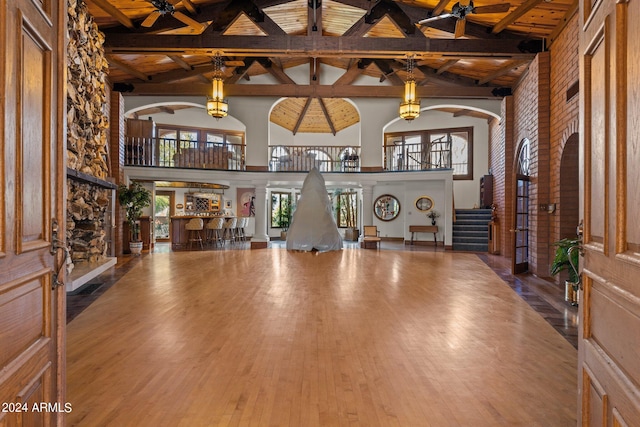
(408, 157)
(172, 153)
(304, 158)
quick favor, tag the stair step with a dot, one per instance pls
(468, 227)
(479, 240)
(471, 230)
(470, 247)
(465, 233)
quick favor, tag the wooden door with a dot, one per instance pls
(32, 117)
(609, 344)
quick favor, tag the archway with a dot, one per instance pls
(568, 209)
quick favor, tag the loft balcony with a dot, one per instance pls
(206, 155)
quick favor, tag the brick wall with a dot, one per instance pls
(539, 111)
(564, 189)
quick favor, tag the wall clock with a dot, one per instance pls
(424, 203)
(386, 207)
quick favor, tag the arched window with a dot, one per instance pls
(524, 160)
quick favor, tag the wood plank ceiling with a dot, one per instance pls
(362, 37)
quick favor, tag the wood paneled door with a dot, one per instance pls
(609, 345)
(32, 120)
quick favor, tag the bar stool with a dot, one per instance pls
(242, 223)
(194, 227)
(214, 230)
(230, 229)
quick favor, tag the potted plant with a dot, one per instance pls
(433, 215)
(566, 259)
(133, 199)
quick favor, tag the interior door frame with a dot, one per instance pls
(521, 173)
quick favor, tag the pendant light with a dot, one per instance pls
(217, 106)
(410, 107)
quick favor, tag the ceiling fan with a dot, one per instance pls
(168, 7)
(460, 11)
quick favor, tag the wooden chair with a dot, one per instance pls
(370, 237)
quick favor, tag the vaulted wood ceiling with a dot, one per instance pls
(361, 37)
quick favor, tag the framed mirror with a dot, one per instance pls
(386, 207)
(424, 203)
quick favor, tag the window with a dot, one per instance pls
(431, 149)
(345, 204)
(281, 209)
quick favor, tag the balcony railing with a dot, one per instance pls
(409, 157)
(299, 158)
(172, 153)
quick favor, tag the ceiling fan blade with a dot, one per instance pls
(151, 19)
(435, 18)
(494, 8)
(460, 28)
(198, 27)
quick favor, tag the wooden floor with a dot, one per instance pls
(352, 337)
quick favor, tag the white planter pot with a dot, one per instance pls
(135, 247)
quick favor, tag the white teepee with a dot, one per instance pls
(313, 226)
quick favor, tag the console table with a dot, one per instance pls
(424, 229)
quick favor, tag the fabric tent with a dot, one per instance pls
(313, 226)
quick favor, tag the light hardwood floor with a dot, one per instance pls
(353, 337)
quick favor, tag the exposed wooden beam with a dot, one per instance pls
(276, 71)
(323, 107)
(115, 62)
(113, 11)
(445, 67)
(301, 116)
(511, 17)
(181, 62)
(315, 46)
(440, 7)
(171, 76)
(350, 75)
(501, 71)
(190, 7)
(321, 91)
(565, 19)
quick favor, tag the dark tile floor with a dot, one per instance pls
(544, 297)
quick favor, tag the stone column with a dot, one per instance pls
(260, 239)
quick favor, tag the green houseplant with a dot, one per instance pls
(133, 199)
(566, 259)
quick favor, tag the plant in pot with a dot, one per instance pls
(433, 215)
(133, 199)
(566, 259)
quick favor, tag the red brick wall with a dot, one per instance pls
(540, 112)
(500, 155)
(564, 164)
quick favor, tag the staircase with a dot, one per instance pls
(471, 230)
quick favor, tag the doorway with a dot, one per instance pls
(520, 230)
(163, 211)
